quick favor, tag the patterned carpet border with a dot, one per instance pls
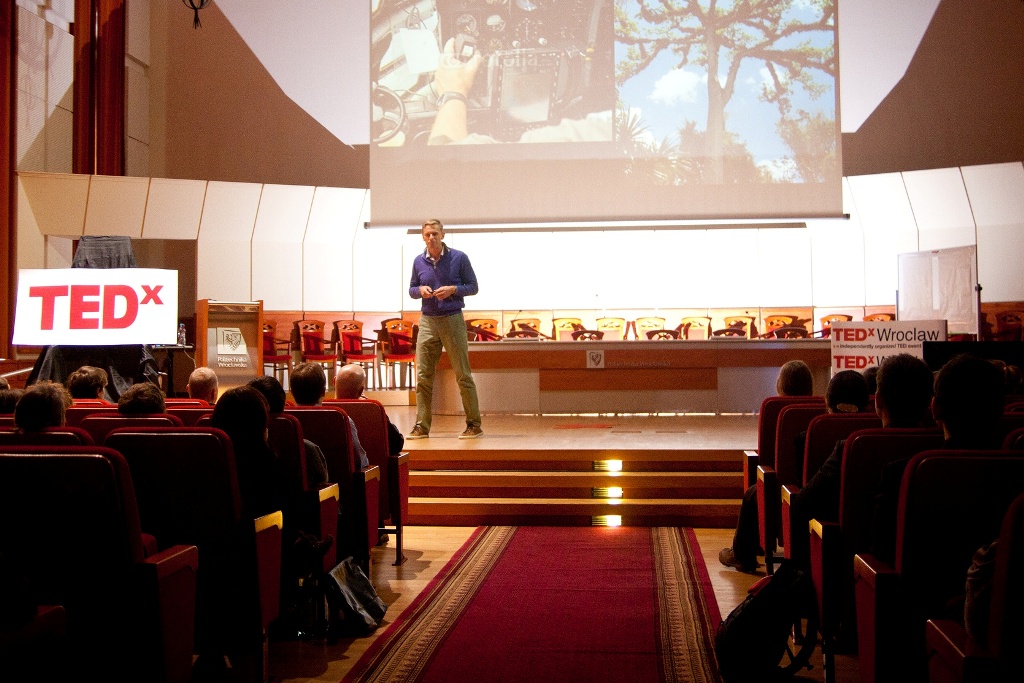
(688, 611)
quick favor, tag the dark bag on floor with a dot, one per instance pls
(356, 609)
(752, 642)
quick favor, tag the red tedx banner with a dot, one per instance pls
(96, 307)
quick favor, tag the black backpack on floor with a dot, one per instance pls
(753, 642)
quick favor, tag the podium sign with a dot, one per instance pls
(229, 340)
(96, 306)
(861, 345)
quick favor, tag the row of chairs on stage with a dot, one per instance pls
(951, 503)
(777, 326)
(388, 358)
(130, 531)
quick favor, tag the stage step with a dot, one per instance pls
(567, 487)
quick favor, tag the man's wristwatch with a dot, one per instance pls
(449, 96)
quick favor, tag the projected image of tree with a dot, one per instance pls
(734, 90)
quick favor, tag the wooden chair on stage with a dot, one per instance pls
(879, 317)
(827, 320)
(277, 354)
(398, 343)
(526, 327)
(1009, 326)
(587, 335)
(482, 329)
(315, 347)
(352, 347)
(649, 323)
(784, 326)
(562, 328)
(744, 323)
(695, 327)
(612, 328)
(661, 335)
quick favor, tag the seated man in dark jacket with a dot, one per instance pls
(350, 382)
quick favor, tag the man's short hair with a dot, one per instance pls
(87, 382)
(142, 399)
(969, 399)
(44, 404)
(308, 383)
(795, 379)
(203, 384)
(847, 392)
(350, 381)
(272, 390)
(9, 400)
(904, 390)
(432, 221)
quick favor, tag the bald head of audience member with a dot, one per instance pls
(308, 384)
(144, 398)
(795, 379)
(903, 394)
(968, 401)
(202, 384)
(87, 382)
(43, 405)
(350, 382)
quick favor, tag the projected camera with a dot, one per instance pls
(539, 61)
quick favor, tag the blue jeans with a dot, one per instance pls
(447, 332)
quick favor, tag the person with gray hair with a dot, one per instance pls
(203, 384)
(350, 383)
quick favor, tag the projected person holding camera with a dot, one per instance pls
(442, 278)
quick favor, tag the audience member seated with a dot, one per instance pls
(350, 383)
(44, 404)
(243, 414)
(9, 399)
(4, 384)
(871, 375)
(846, 393)
(795, 379)
(902, 399)
(202, 384)
(88, 382)
(309, 385)
(316, 464)
(967, 405)
(144, 398)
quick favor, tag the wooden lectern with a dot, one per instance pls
(229, 340)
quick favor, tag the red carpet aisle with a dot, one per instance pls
(557, 604)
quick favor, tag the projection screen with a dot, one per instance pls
(539, 111)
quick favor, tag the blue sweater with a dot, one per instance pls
(453, 268)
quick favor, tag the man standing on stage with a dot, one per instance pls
(442, 277)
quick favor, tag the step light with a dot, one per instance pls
(607, 465)
(607, 492)
(606, 520)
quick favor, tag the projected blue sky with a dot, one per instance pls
(667, 95)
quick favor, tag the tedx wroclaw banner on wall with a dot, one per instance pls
(96, 307)
(861, 345)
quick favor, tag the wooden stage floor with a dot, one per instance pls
(634, 431)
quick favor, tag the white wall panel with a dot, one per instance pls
(327, 255)
(996, 192)
(174, 209)
(54, 202)
(941, 209)
(378, 271)
(732, 261)
(889, 229)
(277, 245)
(783, 273)
(684, 273)
(223, 253)
(837, 258)
(494, 268)
(117, 205)
(626, 265)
